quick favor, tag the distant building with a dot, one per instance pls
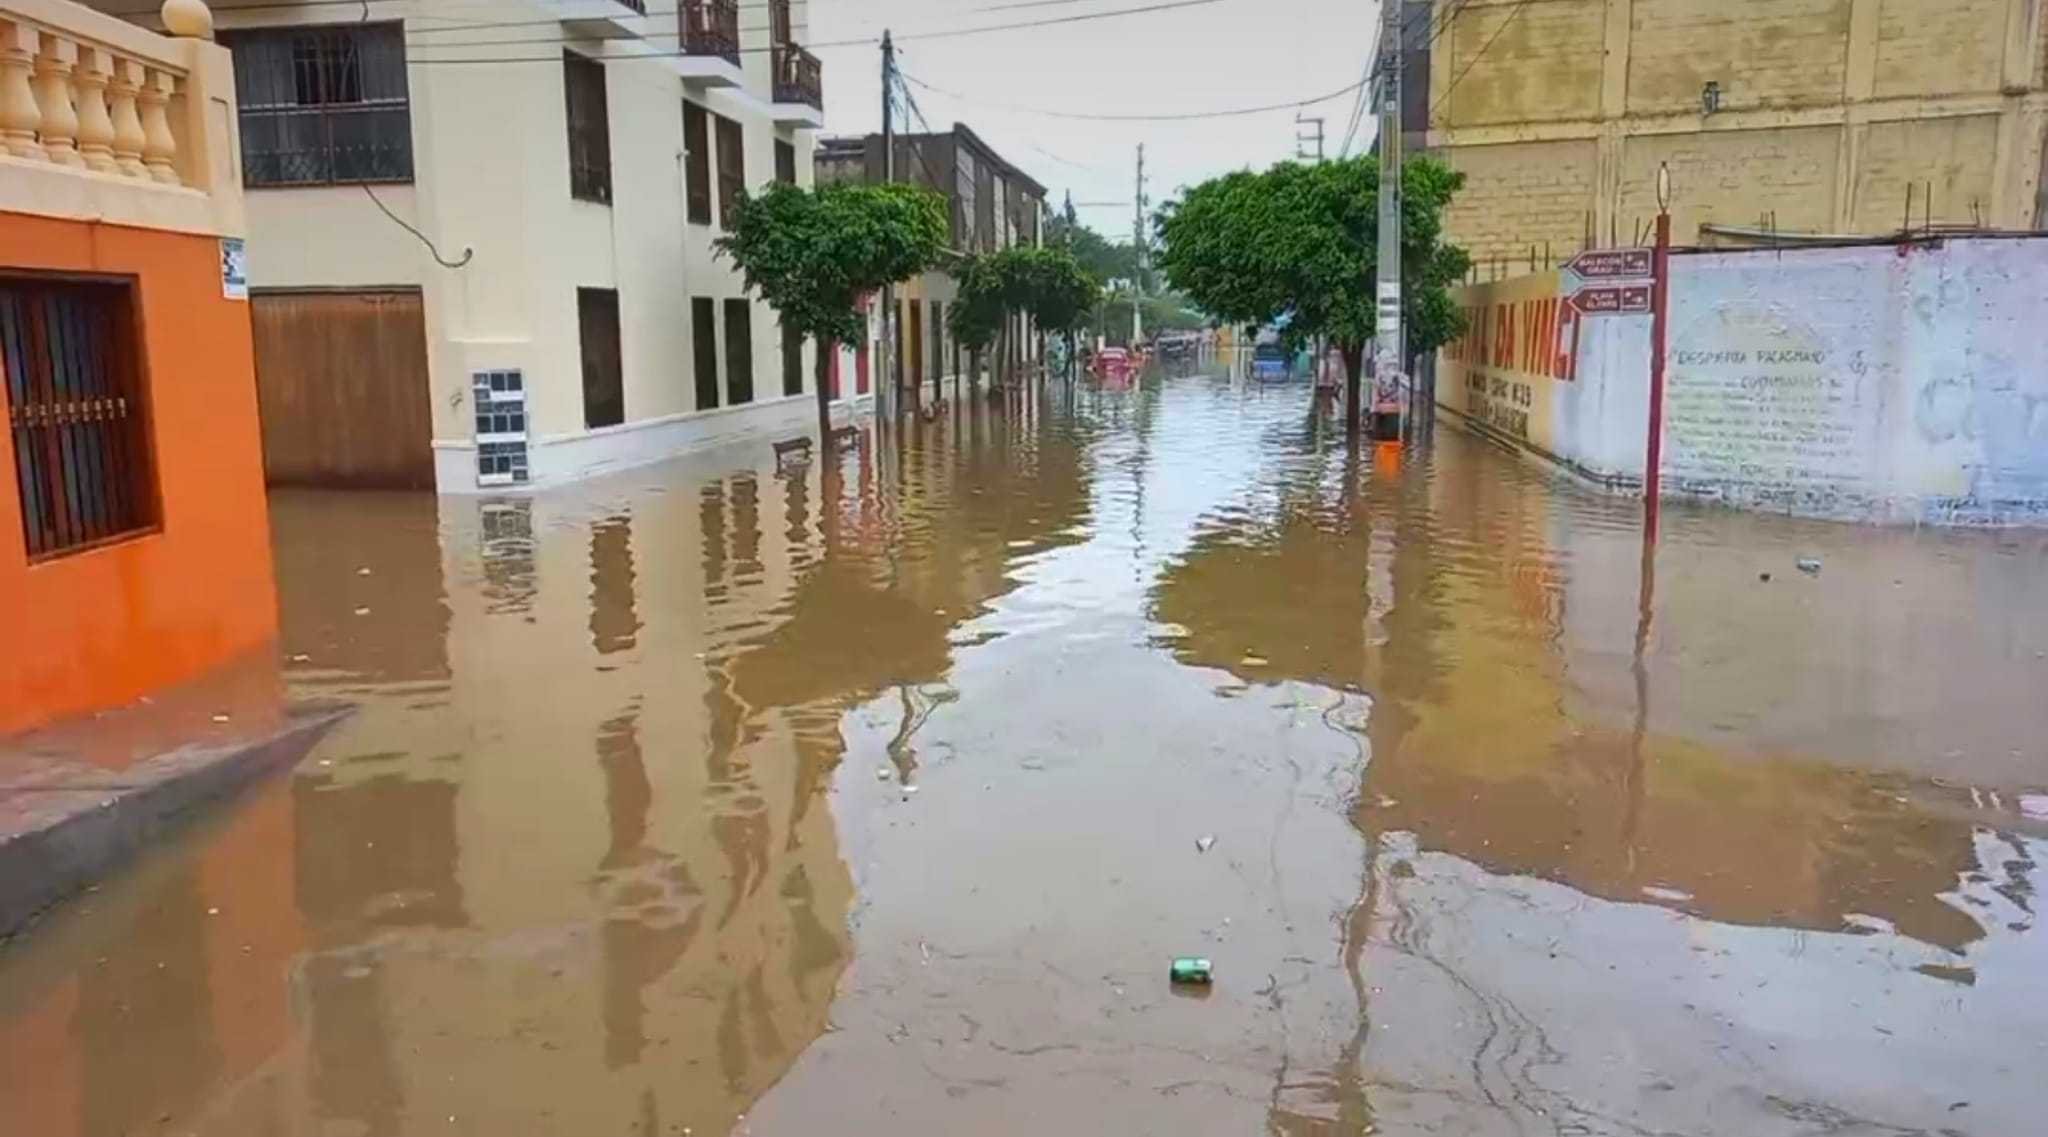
(134, 545)
(993, 205)
(1795, 116)
(480, 248)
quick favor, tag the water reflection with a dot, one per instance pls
(1064, 687)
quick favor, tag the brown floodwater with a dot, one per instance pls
(715, 799)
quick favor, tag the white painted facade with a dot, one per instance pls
(491, 193)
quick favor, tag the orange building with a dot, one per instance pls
(134, 547)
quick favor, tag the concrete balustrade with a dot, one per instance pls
(90, 96)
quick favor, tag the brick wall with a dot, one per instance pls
(1939, 47)
(1522, 194)
(1543, 63)
(1950, 158)
(1764, 53)
(1735, 178)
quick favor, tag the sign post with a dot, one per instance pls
(1660, 308)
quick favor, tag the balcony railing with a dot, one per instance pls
(710, 27)
(799, 78)
(81, 89)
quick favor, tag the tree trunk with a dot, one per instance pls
(823, 381)
(1354, 363)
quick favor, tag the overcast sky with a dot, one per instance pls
(1212, 55)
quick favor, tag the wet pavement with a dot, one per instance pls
(713, 799)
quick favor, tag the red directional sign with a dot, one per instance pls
(1610, 264)
(1612, 300)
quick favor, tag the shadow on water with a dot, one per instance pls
(873, 798)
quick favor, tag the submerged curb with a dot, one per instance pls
(73, 824)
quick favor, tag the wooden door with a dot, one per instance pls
(342, 382)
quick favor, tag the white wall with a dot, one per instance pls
(492, 178)
(1867, 383)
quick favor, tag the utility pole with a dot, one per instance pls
(1390, 355)
(1138, 249)
(885, 373)
(1302, 141)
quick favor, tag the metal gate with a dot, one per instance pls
(342, 382)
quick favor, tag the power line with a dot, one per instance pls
(1190, 116)
(1166, 6)
(675, 16)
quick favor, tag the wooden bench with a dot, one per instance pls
(793, 452)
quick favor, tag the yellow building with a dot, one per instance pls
(1794, 116)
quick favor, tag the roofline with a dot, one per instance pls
(961, 132)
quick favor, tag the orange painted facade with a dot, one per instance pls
(101, 627)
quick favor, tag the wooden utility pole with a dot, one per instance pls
(1138, 249)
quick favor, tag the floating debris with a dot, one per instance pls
(1809, 565)
(1191, 970)
(1204, 844)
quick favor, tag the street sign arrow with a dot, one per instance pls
(1610, 264)
(1612, 300)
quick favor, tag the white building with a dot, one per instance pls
(480, 233)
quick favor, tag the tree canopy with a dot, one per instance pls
(814, 253)
(1046, 283)
(1301, 240)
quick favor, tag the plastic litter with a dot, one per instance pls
(1191, 970)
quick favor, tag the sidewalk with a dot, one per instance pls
(81, 797)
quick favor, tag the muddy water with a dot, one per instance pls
(713, 799)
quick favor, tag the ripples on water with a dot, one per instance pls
(883, 791)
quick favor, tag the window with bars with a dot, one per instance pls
(76, 410)
(697, 160)
(732, 168)
(590, 128)
(785, 162)
(323, 105)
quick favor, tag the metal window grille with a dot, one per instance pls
(323, 105)
(590, 141)
(76, 412)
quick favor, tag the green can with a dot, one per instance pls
(1190, 969)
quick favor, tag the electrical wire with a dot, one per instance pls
(1184, 117)
(674, 17)
(954, 33)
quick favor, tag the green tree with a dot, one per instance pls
(1301, 240)
(1048, 284)
(814, 253)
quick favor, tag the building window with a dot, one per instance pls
(590, 129)
(697, 162)
(732, 168)
(785, 162)
(792, 361)
(704, 336)
(965, 231)
(323, 105)
(76, 411)
(597, 321)
(739, 352)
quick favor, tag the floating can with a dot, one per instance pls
(1190, 969)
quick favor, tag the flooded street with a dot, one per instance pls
(713, 799)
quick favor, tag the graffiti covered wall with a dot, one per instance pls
(1872, 383)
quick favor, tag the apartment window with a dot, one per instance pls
(590, 128)
(323, 105)
(704, 345)
(597, 320)
(739, 352)
(697, 164)
(785, 162)
(732, 168)
(76, 411)
(792, 361)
